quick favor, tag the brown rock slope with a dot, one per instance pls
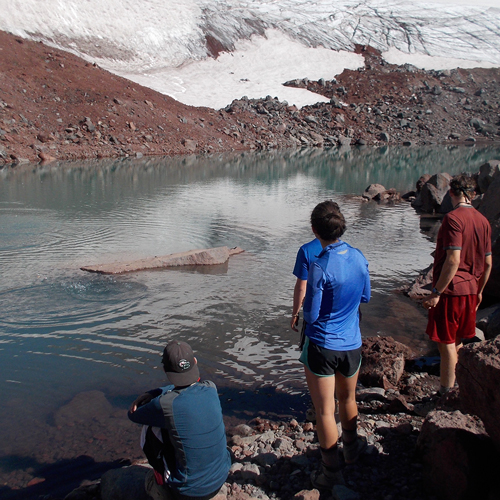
(54, 105)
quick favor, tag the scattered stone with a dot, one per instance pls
(190, 145)
(46, 158)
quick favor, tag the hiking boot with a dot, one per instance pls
(352, 451)
(325, 480)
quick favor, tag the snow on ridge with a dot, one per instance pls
(165, 45)
(131, 35)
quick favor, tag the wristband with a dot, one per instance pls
(435, 291)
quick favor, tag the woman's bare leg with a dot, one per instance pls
(322, 391)
(348, 409)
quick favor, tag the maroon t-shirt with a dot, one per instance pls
(467, 230)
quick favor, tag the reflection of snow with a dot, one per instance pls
(163, 44)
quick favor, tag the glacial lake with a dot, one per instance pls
(65, 332)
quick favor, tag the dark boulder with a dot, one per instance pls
(478, 376)
(459, 459)
(126, 483)
(490, 208)
(486, 173)
(431, 195)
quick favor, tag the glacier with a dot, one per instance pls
(169, 45)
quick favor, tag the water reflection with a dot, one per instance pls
(63, 331)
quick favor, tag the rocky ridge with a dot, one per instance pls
(54, 105)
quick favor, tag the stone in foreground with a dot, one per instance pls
(205, 257)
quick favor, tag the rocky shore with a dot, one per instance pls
(418, 445)
(55, 106)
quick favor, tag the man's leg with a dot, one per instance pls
(449, 358)
(154, 490)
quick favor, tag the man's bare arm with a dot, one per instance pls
(448, 272)
(488, 263)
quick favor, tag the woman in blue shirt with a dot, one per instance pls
(338, 281)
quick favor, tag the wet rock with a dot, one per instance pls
(390, 195)
(373, 190)
(478, 376)
(431, 195)
(421, 181)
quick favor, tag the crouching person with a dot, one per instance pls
(183, 437)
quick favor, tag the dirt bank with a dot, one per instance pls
(54, 105)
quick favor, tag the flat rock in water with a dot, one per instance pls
(205, 257)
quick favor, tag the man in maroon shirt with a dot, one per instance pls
(462, 266)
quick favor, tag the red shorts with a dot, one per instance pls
(454, 318)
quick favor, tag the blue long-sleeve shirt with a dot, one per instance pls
(196, 449)
(337, 283)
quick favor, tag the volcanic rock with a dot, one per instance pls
(432, 194)
(383, 361)
(459, 459)
(478, 376)
(126, 483)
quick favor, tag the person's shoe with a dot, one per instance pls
(354, 450)
(326, 480)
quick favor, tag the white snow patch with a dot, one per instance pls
(395, 56)
(258, 67)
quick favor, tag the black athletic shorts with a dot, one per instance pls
(326, 362)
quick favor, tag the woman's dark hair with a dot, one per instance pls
(463, 184)
(328, 221)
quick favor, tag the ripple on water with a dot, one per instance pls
(69, 303)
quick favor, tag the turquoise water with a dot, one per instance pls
(64, 331)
